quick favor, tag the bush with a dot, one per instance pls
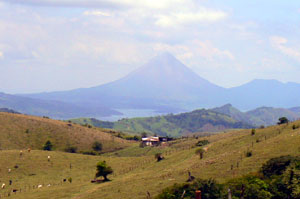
(200, 152)
(48, 146)
(253, 132)
(103, 170)
(248, 153)
(89, 153)
(71, 149)
(283, 120)
(202, 142)
(97, 146)
(276, 166)
(254, 188)
(159, 157)
(210, 190)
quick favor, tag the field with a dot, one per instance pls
(136, 171)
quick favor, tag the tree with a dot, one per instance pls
(103, 170)
(283, 120)
(144, 135)
(200, 152)
(48, 146)
(97, 146)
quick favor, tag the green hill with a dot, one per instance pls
(21, 132)
(261, 116)
(225, 158)
(172, 125)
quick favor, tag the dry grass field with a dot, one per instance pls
(136, 171)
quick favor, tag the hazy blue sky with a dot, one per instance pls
(48, 45)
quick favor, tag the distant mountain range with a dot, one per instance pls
(163, 85)
(50, 108)
(166, 85)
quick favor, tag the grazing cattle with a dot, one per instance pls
(3, 186)
(15, 190)
(48, 185)
(21, 153)
(9, 170)
(49, 158)
(40, 186)
(29, 149)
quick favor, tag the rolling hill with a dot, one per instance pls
(51, 108)
(172, 125)
(260, 116)
(225, 158)
(21, 131)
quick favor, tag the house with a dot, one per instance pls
(154, 141)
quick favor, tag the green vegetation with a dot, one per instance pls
(103, 170)
(97, 146)
(263, 116)
(202, 143)
(171, 125)
(283, 120)
(280, 179)
(48, 146)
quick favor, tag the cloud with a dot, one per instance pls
(204, 15)
(96, 13)
(115, 4)
(195, 49)
(279, 43)
(1, 55)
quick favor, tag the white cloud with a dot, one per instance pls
(1, 55)
(204, 15)
(279, 43)
(96, 13)
(195, 49)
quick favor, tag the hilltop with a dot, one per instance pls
(260, 116)
(172, 125)
(225, 158)
(21, 132)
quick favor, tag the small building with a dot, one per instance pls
(154, 141)
(151, 141)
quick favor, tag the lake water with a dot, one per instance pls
(130, 113)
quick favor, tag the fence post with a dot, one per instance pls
(198, 194)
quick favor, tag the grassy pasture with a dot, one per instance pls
(136, 171)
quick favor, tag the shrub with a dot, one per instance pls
(158, 157)
(27, 131)
(283, 120)
(70, 180)
(295, 127)
(210, 190)
(202, 142)
(249, 187)
(97, 146)
(276, 166)
(248, 153)
(253, 132)
(71, 149)
(103, 170)
(48, 146)
(200, 152)
(89, 152)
